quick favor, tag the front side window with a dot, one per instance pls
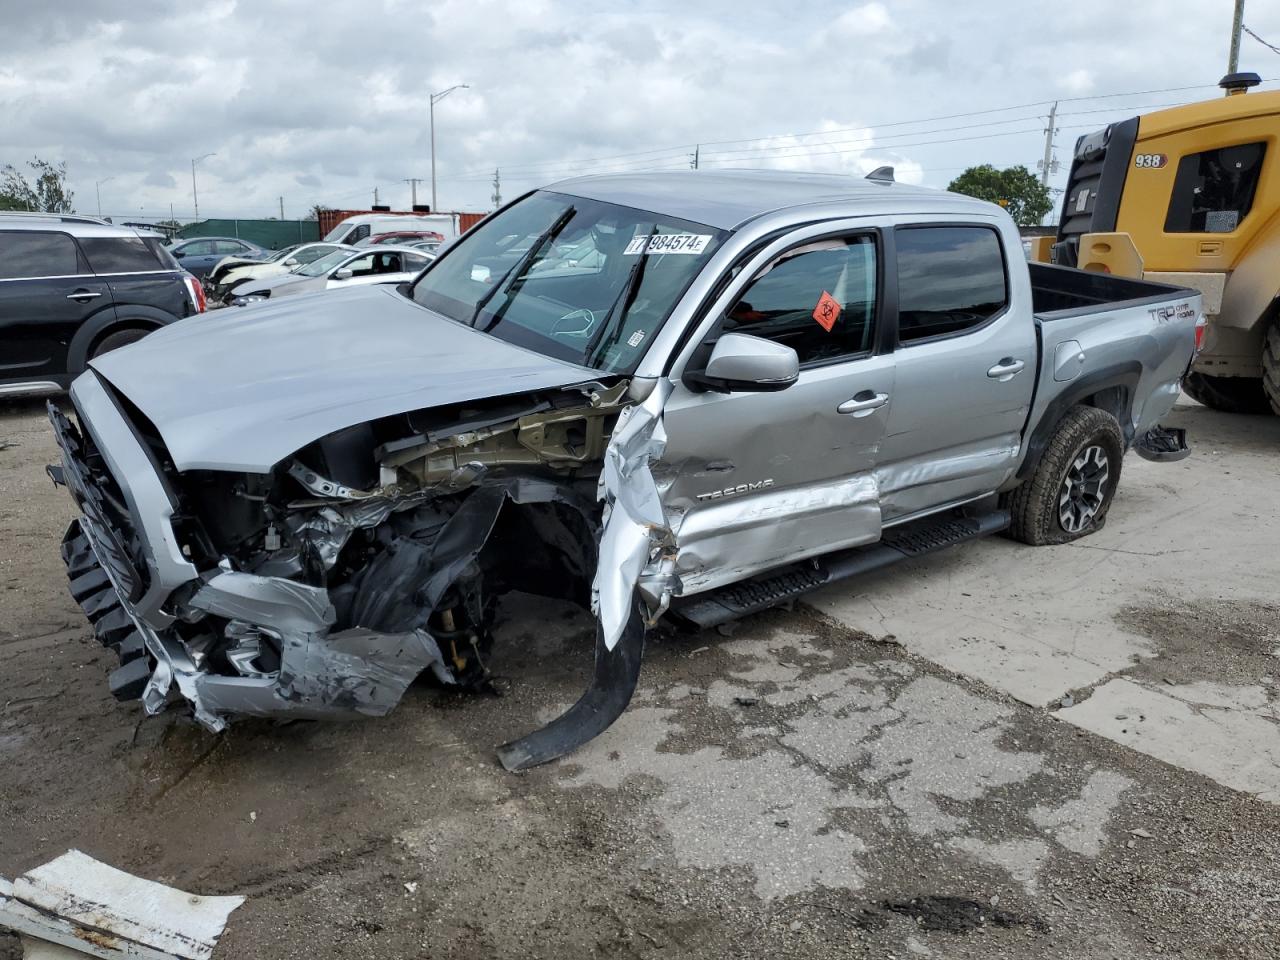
(196, 248)
(581, 280)
(120, 255)
(26, 255)
(819, 299)
(950, 279)
(358, 234)
(1213, 191)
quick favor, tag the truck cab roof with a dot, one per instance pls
(729, 198)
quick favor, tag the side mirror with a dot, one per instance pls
(178, 254)
(342, 275)
(291, 262)
(741, 363)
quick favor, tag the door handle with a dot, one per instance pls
(860, 404)
(1006, 369)
(80, 296)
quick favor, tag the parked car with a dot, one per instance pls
(401, 238)
(765, 382)
(341, 268)
(72, 289)
(200, 255)
(231, 272)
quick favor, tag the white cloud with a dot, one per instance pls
(321, 106)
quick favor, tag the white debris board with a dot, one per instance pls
(77, 893)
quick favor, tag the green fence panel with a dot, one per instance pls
(273, 234)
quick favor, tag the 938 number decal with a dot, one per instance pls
(1151, 161)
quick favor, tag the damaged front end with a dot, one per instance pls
(324, 588)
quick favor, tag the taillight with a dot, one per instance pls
(1200, 328)
(196, 291)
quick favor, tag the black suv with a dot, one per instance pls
(72, 288)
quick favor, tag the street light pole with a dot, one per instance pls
(195, 197)
(434, 99)
(97, 190)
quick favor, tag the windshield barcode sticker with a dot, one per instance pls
(693, 243)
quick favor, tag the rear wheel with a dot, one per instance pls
(1230, 394)
(1271, 366)
(1070, 491)
(114, 341)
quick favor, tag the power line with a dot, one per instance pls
(1270, 46)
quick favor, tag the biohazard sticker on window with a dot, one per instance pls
(827, 312)
(690, 243)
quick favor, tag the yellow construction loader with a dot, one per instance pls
(1191, 196)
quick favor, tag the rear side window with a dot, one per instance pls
(25, 255)
(819, 299)
(228, 247)
(950, 279)
(1213, 191)
(120, 255)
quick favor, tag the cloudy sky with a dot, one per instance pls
(322, 102)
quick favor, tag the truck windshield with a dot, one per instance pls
(572, 278)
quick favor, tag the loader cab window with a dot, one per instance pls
(818, 298)
(1213, 191)
(950, 280)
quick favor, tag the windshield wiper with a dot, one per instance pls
(625, 298)
(520, 265)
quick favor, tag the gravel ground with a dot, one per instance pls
(796, 789)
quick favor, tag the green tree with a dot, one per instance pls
(46, 191)
(1016, 189)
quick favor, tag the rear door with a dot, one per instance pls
(46, 293)
(966, 368)
(140, 284)
(757, 480)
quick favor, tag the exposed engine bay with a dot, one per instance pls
(375, 554)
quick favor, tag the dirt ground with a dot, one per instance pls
(798, 788)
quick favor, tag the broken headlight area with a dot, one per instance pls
(377, 554)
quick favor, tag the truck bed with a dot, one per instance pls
(1058, 292)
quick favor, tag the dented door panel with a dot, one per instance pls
(754, 480)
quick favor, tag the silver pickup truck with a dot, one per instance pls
(671, 396)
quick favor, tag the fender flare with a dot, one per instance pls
(134, 315)
(1121, 376)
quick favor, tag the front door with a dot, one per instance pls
(756, 480)
(46, 293)
(966, 368)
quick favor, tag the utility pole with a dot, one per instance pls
(375, 196)
(497, 188)
(1237, 23)
(693, 157)
(1048, 164)
(413, 185)
(282, 208)
(434, 99)
(195, 197)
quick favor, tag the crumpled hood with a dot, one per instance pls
(241, 389)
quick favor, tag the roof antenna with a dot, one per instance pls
(881, 174)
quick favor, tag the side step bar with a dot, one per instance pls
(769, 590)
